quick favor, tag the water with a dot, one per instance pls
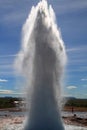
(79, 114)
(8, 113)
(21, 127)
(70, 127)
(65, 114)
(42, 63)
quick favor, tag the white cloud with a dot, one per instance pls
(4, 56)
(77, 69)
(3, 80)
(75, 49)
(15, 93)
(5, 67)
(2, 91)
(18, 12)
(68, 95)
(69, 6)
(12, 55)
(71, 87)
(84, 79)
(77, 56)
(10, 92)
(14, 17)
(83, 68)
(71, 49)
(7, 73)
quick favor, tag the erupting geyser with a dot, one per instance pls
(42, 63)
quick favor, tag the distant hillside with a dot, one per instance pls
(8, 102)
(76, 102)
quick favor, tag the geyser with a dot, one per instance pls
(42, 63)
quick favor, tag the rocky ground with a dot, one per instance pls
(74, 120)
(8, 120)
(18, 120)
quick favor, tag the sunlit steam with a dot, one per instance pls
(41, 60)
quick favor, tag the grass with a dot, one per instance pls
(77, 104)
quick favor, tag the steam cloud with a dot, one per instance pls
(42, 63)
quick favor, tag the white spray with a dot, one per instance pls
(42, 63)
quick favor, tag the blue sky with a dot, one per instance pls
(72, 20)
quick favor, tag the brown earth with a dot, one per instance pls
(73, 120)
(79, 109)
(70, 120)
(66, 108)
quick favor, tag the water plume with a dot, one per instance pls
(41, 60)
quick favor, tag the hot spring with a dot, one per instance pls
(41, 61)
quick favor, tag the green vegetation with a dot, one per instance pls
(8, 102)
(76, 102)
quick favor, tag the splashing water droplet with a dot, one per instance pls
(42, 63)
